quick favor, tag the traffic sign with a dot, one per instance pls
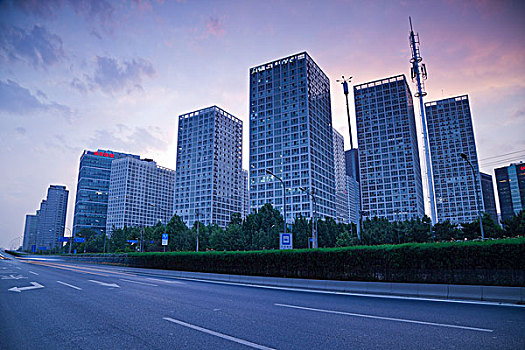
(133, 241)
(285, 241)
(63, 239)
(164, 239)
(80, 240)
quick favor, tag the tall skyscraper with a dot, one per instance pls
(52, 217)
(208, 186)
(389, 165)
(489, 200)
(140, 193)
(245, 192)
(349, 154)
(91, 202)
(450, 132)
(510, 181)
(30, 231)
(341, 196)
(291, 136)
(352, 185)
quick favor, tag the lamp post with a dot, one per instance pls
(464, 156)
(165, 224)
(71, 239)
(284, 195)
(197, 215)
(314, 222)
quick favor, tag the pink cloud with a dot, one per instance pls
(215, 27)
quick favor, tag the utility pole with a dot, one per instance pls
(314, 218)
(419, 74)
(345, 82)
(464, 156)
(197, 215)
(284, 195)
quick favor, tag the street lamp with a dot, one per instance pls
(464, 156)
(314, 233)
(70, 238)
(165, 224)
(197, 215)
(284, 196)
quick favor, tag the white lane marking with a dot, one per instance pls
(380, 296)
(35, 285)
(114, 285)
(13, 277)
(19, 268)
(34, 273)
(217, 334)
(69, 285)
(143, 283)
(386, 318)
(165, 281)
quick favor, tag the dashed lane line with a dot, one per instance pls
(69, 285)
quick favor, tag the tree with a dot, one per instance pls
(302, 231)
(376, 231)
(515, 226)
(179, 236)
(267, 220)
(446, 231)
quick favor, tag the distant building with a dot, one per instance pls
(450, 132)
(245, 203)
(353, 199)
(51, 220)
(91, 202)
(30, 232)
(510, 181)
(209, 182)
(489, 200)
(341, 197)
(140, 193)
(389, 168)
(349, 154)
(291, 136)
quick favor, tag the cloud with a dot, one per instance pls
(15, 99)
(215, 27)
(38, 47)
(113, 75)
(20, 130)
(138, 140)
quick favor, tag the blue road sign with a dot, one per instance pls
(42, 248)
(164, 239)
(80, 239)
(285, 241)
(63, 239)
(33, 248)
(133, 241)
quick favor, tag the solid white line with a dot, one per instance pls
(34, 273)
(386, 318)
(143, 283)
(165, 281)
(69, 285)
(217, 334)
(19, 268)
(380, 296)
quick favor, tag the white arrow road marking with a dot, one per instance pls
(34, 273)
(35, 285)
(143, 283)
(13, 277)
(114, 285)
(69, 285)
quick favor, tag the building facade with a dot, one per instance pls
(140, 193)
(510, 181)
(245, 192)
(349, 154)
(341, 194)
(209, 182)
(352, 185)
(91, 201)
(389, 167)
(489, 200)
(51, 220)
(30, 232)
(291, 136)
(450, 132)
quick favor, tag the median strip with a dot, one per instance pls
(385, 318)
(217, 334)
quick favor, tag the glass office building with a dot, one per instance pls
(389, 165)
(450, 133)
(51, 220)
(30, 232)
(291, 136)
(140, 193)
(209, 180)
(489, 200)
(510, 181)
(91, 202)
(341, 195)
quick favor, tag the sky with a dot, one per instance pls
(82, 75)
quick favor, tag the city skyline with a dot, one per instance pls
(117, 77)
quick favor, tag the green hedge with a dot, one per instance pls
(497, 262)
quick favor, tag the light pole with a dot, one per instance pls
(197, 215)
(165, 224)
(71, 239)
(284, 195)
(314, 222)
(345, 82)
(464, 156)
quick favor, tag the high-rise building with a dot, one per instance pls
(349, 154)
(140, 193)
(245, 192)
(489, 200)
(510, 181)
(352, 198)
(291, 136)
(450, 132)
(389, 168)
(30, 232)
(341, 196)
(208, 186)
(51, 220)
(91, 202)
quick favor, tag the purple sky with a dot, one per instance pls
(80, 74)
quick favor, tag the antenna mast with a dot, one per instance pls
(418, 72)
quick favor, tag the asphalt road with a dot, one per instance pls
(54, 304)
